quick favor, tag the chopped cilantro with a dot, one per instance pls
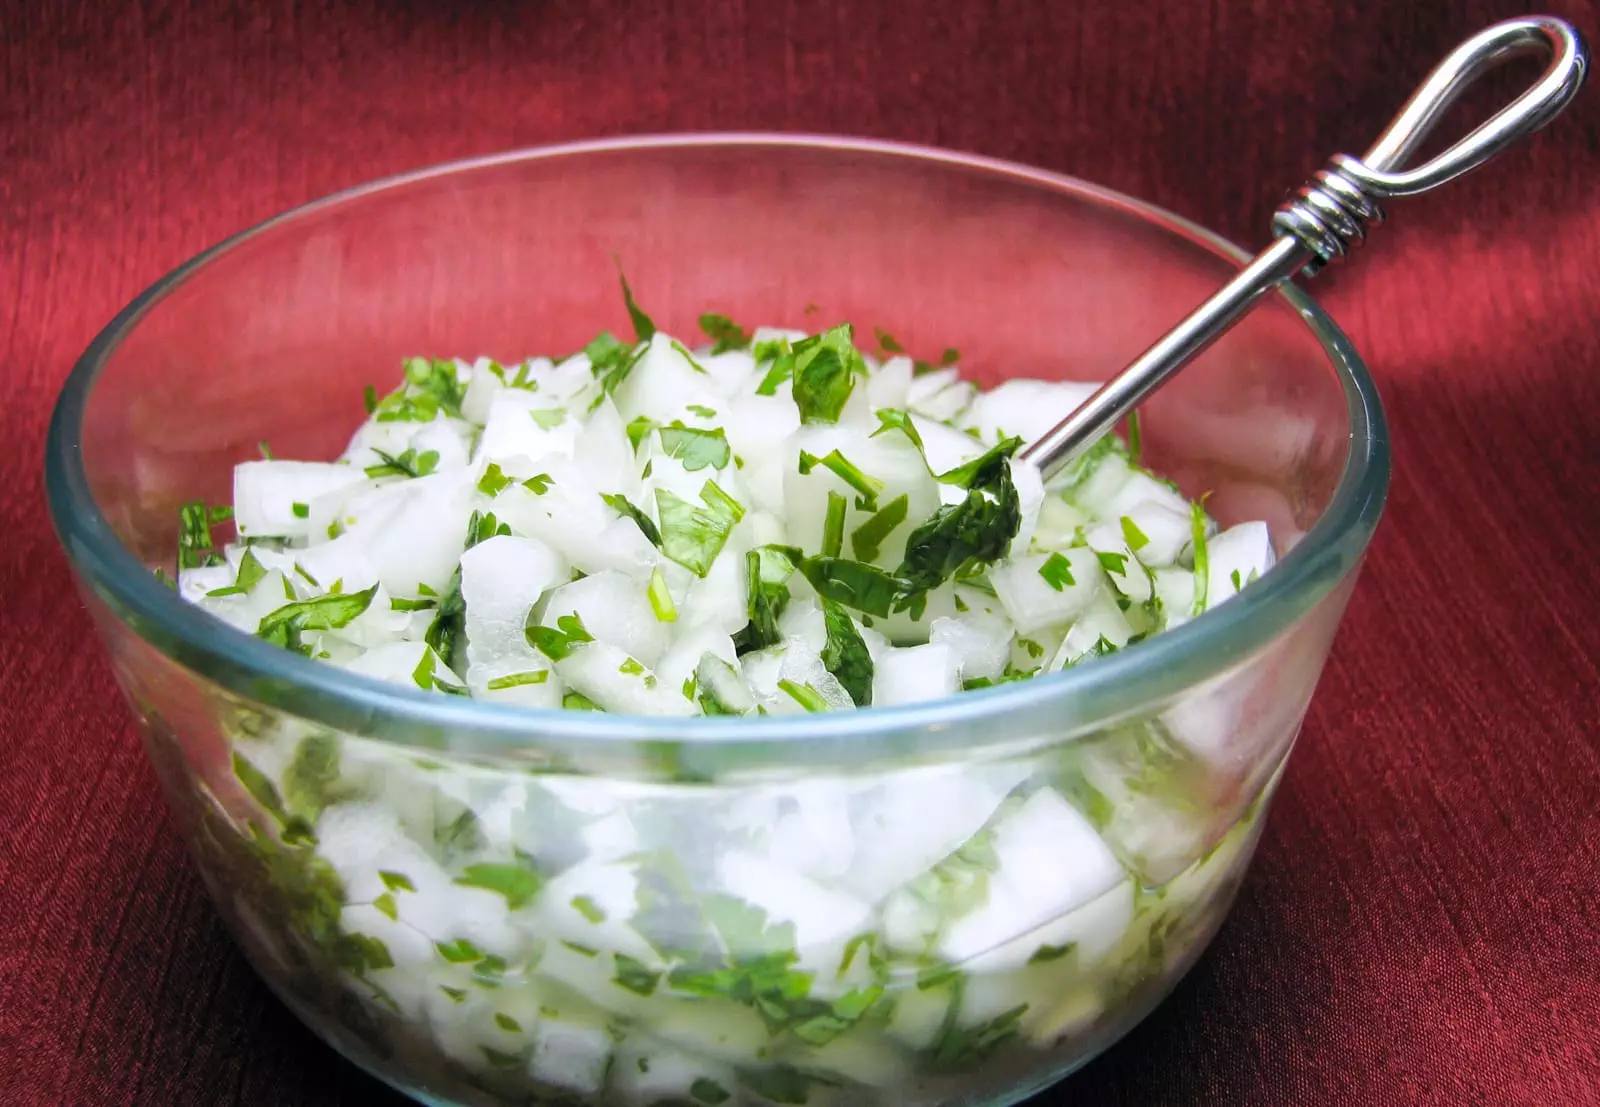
(1057, 572)
(557, 642)
(856, 584)
(1133, 536)
(867, 539)
(548, 418)
(539, 483)
(285, 625)
(589, 909)
(517, 883)
(397, 603)
(493, 481)
(517, 680)
(507, 1023)
(893, 418)
(644, 327)
(724, 333)
(1045, 954)
(841, 467)
(695, 448)
(396, 882)
(833, 525)
(577, 701)
(195, 544)
(624, 507)
(408, 464)
(977, 530)
(661, 598)
(780, 369)
(369, 399)
(1197, 533)
(768, 569)
(639, 429)
(634, 975)
(1112, 562)
(694, 536)
(708, 1091)
(825, 368)
(300, 510)
(1135, 439)
(630, 667)
(805, 695)
(846, 655)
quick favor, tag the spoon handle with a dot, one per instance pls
(1329, 216)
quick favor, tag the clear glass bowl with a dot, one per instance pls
(616, 969)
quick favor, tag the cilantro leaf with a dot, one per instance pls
(623, 506)
(976, 530)
(409, 464)
(493, 481)
(285, 625)
(634, 975)
(449, 625)
(867, 539)
(517, 883)
(695, 448)
(846, 655)
(724, 332)
(517, 680)
(644, 327)
(1133, 536)
(693, 535)
(638, 429)
(768, 569)
(1202, 571)
(557, 642)
(805, 695)
(196, 547)
(660, 596)
(1057, 572)
(845, 470)
(825, 368)
(856, 584)
(781, 369)
(893, 418)
(982, 469)
(833, 525)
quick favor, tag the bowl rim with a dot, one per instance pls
(1111, 688)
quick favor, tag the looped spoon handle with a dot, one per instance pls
(1326, 218)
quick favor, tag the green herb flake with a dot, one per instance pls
(369, 398)
(867, 539)
(300, 510)
(695, 448)
(804, 695)
(825, 369)
(833, 525)
(396, 882)
(701, 410)
(538, 484)
(630, 667)
(639, 429)
(976, 531)
(518, 680)
(693, 535)
(517, 883)
(385, 903)
(1133, 536)
(1197, 534)
(1045, 954)
(397, 603)
(557, 642)
(589, 909)
(577, 701)
(1057, 572)
(548, 418)
(767, 571)
(845, 655)
(856, 584)
(284, 626)
(644, 327)
(708, 1091)
(459, 952)
(851, 474)
(666, 611)
(493, 481)
(408, 464)
(724, 333)
(619, 503)
(634, 975)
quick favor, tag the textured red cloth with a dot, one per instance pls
(1422, 924)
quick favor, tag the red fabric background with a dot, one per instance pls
(1422, 924)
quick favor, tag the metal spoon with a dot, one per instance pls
(1328, 217)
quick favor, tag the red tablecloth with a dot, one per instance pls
(1422, 924)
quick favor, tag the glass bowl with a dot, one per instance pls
(482, 904)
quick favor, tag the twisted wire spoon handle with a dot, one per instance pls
(1329, 216)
